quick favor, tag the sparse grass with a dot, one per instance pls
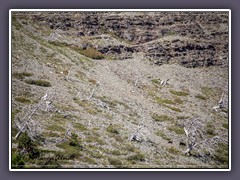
(207, 91)
(221, 154)
(210, 130)
(225, 125)
(115, 162)
(22, 100)
(179, 93)
(164, 101)
(95, 154)
(91, 53)
(112, 102)
(57, 43)
(162, 135)
(136, 157)
(116, 153)
(92, 81)
(87, 106)
(71, 152)
(15, 23)
(173, 108)
(173, 150)
(199, 96)
(87, 159)
(112, 129)
(176, 129)
(94, 138)
(80, 127)
(21, 75)
(129, 148)
(182, 117)
(55, 127)
(155, 81)
(161, 118)
(38, 82)
(81, 75)
(118, 138)
(51, 134)
(17, 161)
(178, 100)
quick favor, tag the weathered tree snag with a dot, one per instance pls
(220, 103)
(26, 123)
(197, 139)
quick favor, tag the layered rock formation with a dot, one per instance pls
(191, 39)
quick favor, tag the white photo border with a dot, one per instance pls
(119, 10)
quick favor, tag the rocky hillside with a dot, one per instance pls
(120, 89)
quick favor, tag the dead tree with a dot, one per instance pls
(26, 123)
(220, 103)
(136, 136)
(193, 130)
(198, 141)
(164, 82)
(68, 132)
(53, 35)
(92, 92)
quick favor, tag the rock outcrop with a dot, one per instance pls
(192, 39)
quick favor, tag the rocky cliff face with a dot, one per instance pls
(191, 39)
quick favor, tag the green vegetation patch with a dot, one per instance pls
(15, 23)
(162, 135)
(207, 91)
(173, 150)
(179, 93)
(38, 82)
(221, 154)
(162, 101)
(17, 161)
(225, 125)
(178, 100)
(173, 108)
(176, 129)
(112, 129)
(136, 157)
(56, 127)
(22, 100)
(182, 117)
(115, 162)
(57, 43)
(210, 130)
(155, 81)
(91, 53)
(87, 106)
(21, 75)
(80, 127)
(161, 118)
(70, 152)
(199, 96)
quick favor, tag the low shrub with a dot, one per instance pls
(162, 135)
(112, 129)
(92, 53)
(21, 75)
(176, 129)
(17, 161)
(22, 100)
(221, 153)
(38, 82)
(161, 118)
(199, 96)
(115, 162)
(136, 157)
(179, 93)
